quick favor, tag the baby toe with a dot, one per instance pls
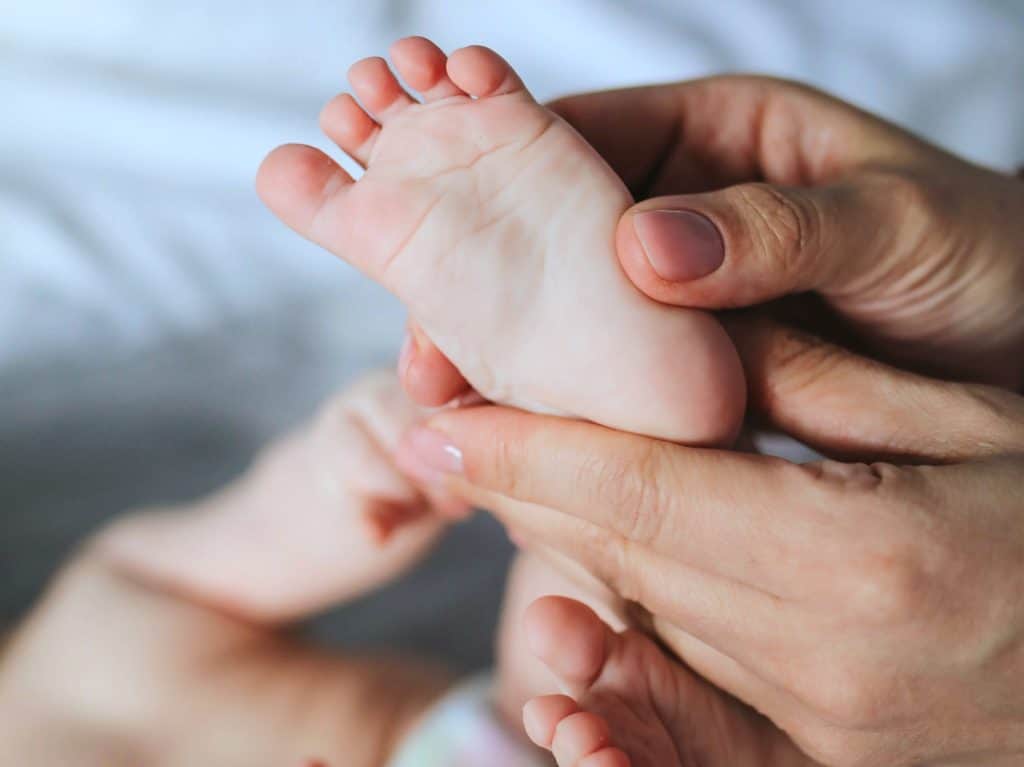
(377, 87)
(577, 736)
(296, 181)
(349, 126)
(569, 638)
(423, 66)
(427, 375)
(541, 716)
(482, 73)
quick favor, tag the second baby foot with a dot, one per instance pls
(494, 222)
(630, 705)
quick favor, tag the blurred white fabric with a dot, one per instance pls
(132, 129)
(156, 323)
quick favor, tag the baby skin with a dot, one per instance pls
(494, 222)
(188, 668)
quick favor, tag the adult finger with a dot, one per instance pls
(732, 514)
(775, 187)
(706, 134)
(753, 242)
(709, 622)
(849, 406)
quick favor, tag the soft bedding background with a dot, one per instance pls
(157, 325)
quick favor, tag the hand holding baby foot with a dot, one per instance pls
(872, 610)
(494, 222)
(915, 249)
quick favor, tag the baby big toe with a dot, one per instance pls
(482, 73)
(423, 65)
(569, 638)
(296, 181)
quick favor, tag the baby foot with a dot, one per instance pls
(494, 222)
(324, 515)
(631, 705)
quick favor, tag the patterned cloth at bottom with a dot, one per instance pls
(464, 730)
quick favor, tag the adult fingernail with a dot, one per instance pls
(432, 454)
(681, 245)
(405, 356)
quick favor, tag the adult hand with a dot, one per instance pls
(873, 611)
(752, 189)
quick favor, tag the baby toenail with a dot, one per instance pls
(680, 245)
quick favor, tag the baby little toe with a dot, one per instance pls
(423, 66)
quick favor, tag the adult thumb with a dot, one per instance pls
(750, 243)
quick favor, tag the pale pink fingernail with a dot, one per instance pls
(405, 355)
(429, 455)
(469, 399)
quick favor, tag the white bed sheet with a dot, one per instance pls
(131, 130)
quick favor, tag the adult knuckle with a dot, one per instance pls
(830, 476)
(888, 586)
(844, 695)
(922, 205)
(506, 469)
(886, 573)
(892, 579)
(625, 578)
(780, 226)
(632, 488)
(604, 556)
(803, 361)
(827, 744)
(919, 197)
(991, 415)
